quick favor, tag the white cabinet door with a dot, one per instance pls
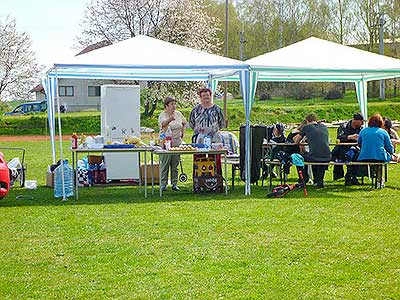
(122, 165)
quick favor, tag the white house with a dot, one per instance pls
(78, 95)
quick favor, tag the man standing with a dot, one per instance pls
(347, 133)
(318, 142)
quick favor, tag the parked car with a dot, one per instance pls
(29, 107)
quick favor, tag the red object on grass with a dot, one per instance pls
(4, 177)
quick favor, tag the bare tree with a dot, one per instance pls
(367, 31)
(18, 67)
(184, 22)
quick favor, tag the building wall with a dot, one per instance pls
(39, 96)
(80, 101)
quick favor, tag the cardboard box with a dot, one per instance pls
(156, 173)
(95, 159)
(50, 179)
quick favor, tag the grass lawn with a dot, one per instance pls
(339, 242)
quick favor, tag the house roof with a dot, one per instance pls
(95, 46)
(38, 88)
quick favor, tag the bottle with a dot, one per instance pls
(168, 138)
(74, 141)
(207, 141)
(68, 180)
(162, 140)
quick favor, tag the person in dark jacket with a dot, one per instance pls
(318, 141)
(347, 133)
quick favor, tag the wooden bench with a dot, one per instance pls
(374, 182)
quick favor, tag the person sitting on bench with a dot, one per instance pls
(394, 137)
(318, 141)
(347, 133)
(375, 145)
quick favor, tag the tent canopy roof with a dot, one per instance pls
(314, 59)
(143, 57)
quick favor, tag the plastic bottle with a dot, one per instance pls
(168, 138)
(68, 180)
(207, 141)
(162, 140)
(74, 141)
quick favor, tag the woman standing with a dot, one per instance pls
(206, 118)
(176, 122)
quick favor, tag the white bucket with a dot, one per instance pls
(30, 184)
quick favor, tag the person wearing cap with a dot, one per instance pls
(206, 118)
(173, 119)
(278, 136)
(318, 141)
(394, 137)
(347, 133)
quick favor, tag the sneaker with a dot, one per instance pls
(163, 188)
(381, 185)
(175, 188)
(348, 182)
(318, 185)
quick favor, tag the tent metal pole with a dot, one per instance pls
(60, 137)
(47, 84)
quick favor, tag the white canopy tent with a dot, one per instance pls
(145, 58)
(138, 58)
(313, 60)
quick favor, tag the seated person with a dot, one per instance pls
(375, 144)
(394, 137)
(347, 133)
(318, 141)
(278, 133)
(290, 139)
(278, 136)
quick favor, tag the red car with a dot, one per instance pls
(4, 177)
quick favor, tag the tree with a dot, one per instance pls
(183, 22)
(18, 67)
(342, 21)
(367, 11)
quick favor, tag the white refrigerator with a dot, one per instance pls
(120, 117)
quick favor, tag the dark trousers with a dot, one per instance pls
(318, 171)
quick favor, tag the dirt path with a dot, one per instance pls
(22, 138)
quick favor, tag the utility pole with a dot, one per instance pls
(242, 41)
(226, 55)
(381, 51)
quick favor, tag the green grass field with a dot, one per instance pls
(339, 242)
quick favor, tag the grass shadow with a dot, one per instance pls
(43, 196)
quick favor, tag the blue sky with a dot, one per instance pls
(51, 24)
